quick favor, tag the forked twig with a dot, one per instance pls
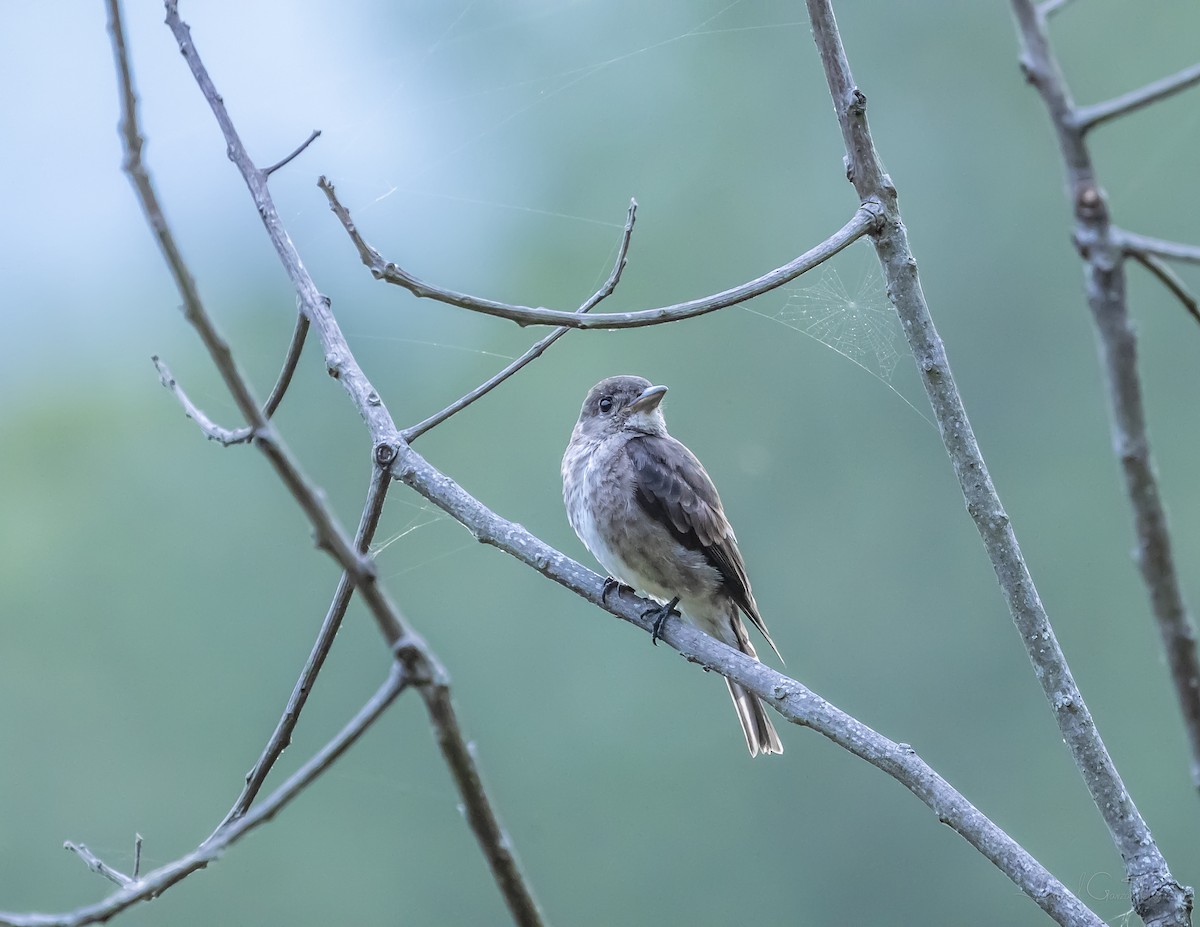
(281, 737)
(413, 432)
(153, 884)
(864, 222)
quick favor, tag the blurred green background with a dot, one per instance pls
(159, 594)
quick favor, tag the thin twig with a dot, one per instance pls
(212, 431)
(137, 856)
(99, 866)
(864, 221)
(1088, 117)
(1048, 8)
(155, 883)
(1131, 242)
(230, 436)
(282, 735)
(295, 347)
(1169, 279)
(537, 349)
(1103, 248)
(268, 171)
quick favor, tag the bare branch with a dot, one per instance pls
(148, 199)
(1048, 8)
(268, 171)
(422, 666)
(282, 735)
(99, 866)
(295, 347)
(790, 698)
(1103, 248)
(230, 436)
(864, 221)
(497, 847)
(328, 532)
(1131, 242)
(614, 275)
(213, 431)
(1088, 117)
(1169, 279)
(155, 883)
(1151, 879)
(535, 351)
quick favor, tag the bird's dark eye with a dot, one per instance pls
(605, 404)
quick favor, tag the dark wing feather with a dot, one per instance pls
(674, 489)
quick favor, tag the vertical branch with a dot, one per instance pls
(1157, 897)
(1103, 249)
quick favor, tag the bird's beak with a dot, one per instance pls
(649, 399)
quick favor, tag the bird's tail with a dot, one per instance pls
(759, 731)
(752, 714)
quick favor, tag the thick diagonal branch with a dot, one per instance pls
(786, 695)
(1153, 888)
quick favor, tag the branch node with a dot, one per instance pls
(385, 453)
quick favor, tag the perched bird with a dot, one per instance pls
(648, 511)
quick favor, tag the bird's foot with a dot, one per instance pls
(612, 584)
(661, 613)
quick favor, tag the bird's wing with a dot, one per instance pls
(674, 489)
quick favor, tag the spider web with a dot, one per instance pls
(857, 321)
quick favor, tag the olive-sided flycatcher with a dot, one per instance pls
(648, 511)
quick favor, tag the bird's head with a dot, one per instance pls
(622, 404)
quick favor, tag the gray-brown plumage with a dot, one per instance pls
(648, 511)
